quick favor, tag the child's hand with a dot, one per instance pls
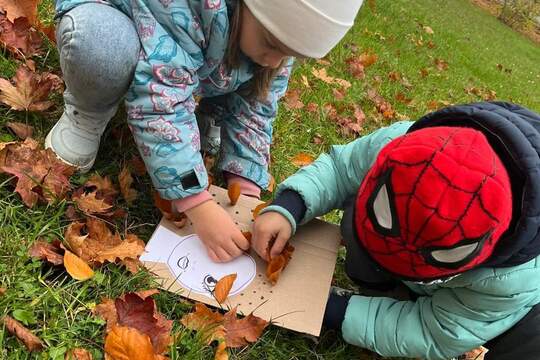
(267, 227)
(220, 235)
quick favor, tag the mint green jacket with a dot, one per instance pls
(448, 318)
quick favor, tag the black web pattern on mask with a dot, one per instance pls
(413, 238)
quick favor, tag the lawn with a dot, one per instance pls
(444, 52)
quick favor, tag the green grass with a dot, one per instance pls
(57, 308)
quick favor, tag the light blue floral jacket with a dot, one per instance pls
(183, 44)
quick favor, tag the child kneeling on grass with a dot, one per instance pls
(448, 205)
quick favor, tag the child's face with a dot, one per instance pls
(261, 46)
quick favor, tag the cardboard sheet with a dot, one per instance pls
(178, 258)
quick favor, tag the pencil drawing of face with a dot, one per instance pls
(195, 271)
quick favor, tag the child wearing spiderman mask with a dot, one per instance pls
(450, 207)
(236, 55)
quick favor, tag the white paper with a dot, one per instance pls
(193, 269)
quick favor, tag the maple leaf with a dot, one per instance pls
(205, 321)
(51, 252)
(78, 354)
(125, 180)
(223, 287)
(124, 343)
(234, 191)
(96, 196)
(40, 174)
(19, 37)
(23, 131)
(292, 99)
(302, 159)
(358, 64)
(278, 263)
(15, 9)
(241, 332)
(31, 341)
(30, 92)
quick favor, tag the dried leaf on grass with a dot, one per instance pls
(234, 192)
(223, 287)
(31, 341)
(126, 180)
(348, 125)
(19, 37)
(21, 8)
(22, 131)
(278, 263)
(124, 343)
(358, 64)
(51, 252)
(30, 92)
(165, 207)
(207, 322)
(76, 267)
(40, 175)
(381, 104)
(302, 159)
(2, 291)
(241, 332)
(78, 354)
(323, 76)
(292, 99)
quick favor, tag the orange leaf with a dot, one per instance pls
(125, 180)
(206, 321)
(278, 263)
(19, 37)
(47, 251)
(22, 131)
(234, 192)
(31, 341)
(477, 354)
(223, 287)
(21, 8)
(258, 209)
(124, 343)
(241, 332)
(2, 291)
(78, 354)
(302, 159)
(271, 183)
(221, 351)
(76, 267)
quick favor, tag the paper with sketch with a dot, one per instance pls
(297, 302)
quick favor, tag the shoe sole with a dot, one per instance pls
(48, 145)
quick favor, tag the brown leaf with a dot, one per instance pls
(312, 107)
(19, 37)
(292, 99)
(322, 75)
(317, 139)
(23, 131)
(233, 191)
(258, 209)
(78, 354)
(90, 204)
(271, 183)
(221, 351)
(381, 104)
(403, 99)
(125, 180)
(433, 105)
(20, 8)
(76, 267)
(32, 342)
(51, 252)
(302, 159)
(241, 332)
(394, 75)
(104, 185)
(441, 64)
(2, 291)
(30, 92)
(206, 322)
(338, 94)
(278, 263)
(223, 287)
(424, 72)
(428, 30)
(477, 354)
(40, 175)
(124, 343)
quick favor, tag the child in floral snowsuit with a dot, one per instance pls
(158, 55)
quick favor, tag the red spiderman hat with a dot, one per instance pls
(434, 204)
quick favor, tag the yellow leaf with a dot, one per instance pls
(124, 343)
(223, 287)
(76, 267)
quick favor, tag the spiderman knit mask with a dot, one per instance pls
(434, 204)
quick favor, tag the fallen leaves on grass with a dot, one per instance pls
(2, 291)
(223, 287)
(126, 180)
(278, 263)
(358, 64)
(234, 191)
(322, 75)
(383, 106)
(441, 64)
(76, 267)
(22, 131)
(124, 343)
(31, 341)
(93, 242)
(302, 159)
(30, 91)
(50, 252)
(21, 8)
(485, 94)
(97, 197)
(78, 354)
(292, 99)
(19, 37)
(166, 209)
(347, 125)
(40, 175)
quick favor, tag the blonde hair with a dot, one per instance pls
(260, 83)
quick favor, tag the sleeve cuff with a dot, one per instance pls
(284, 212)
(181, 205)
(334, 314)
(293, 202)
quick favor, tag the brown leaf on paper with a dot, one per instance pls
(76, 267)
(278, 263)
(124, 343)
(30, 92)
(31, 341)
(125, 180)
(258, 209)
(78, 354)
(22, 131)
(477, 354)
(292, 99)
(51, 252)
(94, 242)
(223, 287)
(40, 175)
(302, 159)
(241, 332)
(206, 322)
(234, 192)
(19, 37)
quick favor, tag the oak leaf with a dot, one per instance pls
(234, 192)
(78, 354)
(51, 252)
(31, 341)
(76, 267)
(241, 332)
(302, 159)
(22, 131)
(126, 180)
(124, 343)
(278, 263)
(223, 287)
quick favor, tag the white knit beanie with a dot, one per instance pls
(309, 27)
